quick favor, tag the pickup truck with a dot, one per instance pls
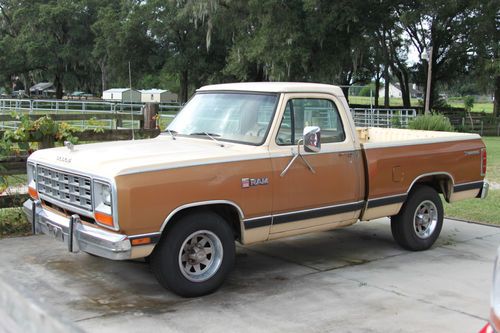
(247, 162)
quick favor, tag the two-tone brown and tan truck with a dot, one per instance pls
(249, 162)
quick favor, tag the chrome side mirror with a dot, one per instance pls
(312, 139)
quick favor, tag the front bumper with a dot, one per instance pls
(76, 235)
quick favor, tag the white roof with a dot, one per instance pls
(276, 87)
(117, 90)
(42, 86)
(153, 91)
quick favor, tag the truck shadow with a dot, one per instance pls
(107, 287)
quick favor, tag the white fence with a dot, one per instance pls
(368, 117)
(43, 106)
(363, 117)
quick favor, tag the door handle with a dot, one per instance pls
(346, 153)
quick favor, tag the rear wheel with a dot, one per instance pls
(419, 223)
(195, 256)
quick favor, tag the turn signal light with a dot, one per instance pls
(32, 193)
(104, 219)
(141, 241)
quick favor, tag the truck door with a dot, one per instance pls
(329, 195)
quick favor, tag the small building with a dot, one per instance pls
(45, 89)
(157, 96)
(123, 95)
(395, 91)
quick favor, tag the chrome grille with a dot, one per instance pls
(65, 187)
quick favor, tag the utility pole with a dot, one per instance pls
(429, 76)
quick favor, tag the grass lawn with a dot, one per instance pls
(493, 149)
(392, 101)
(486, 211)
(478, 107)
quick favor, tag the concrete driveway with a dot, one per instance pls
(348, 280)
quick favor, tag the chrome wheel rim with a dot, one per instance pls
(425, 219)
(200, 256)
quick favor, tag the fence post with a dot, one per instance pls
(150, 112)
(118, 122)
(481, 127)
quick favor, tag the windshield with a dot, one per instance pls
(239, 117)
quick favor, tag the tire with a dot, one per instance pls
(195, 255)
(417, 226)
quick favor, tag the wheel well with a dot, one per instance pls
(442, 183)
(228, 212)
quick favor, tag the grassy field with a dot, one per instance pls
(392, 101)
(486, 211)
(478, 107)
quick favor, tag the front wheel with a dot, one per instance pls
(419, 223)
(195, 256)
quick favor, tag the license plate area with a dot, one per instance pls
(52, 229)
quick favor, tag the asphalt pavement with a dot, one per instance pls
(354, 279)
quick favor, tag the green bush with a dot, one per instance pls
(367, 90)
(434, 122)
(468, 103)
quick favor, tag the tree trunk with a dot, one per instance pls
(59, 87)
(387, 84)
(26, 87)
(404, 84)
(184, 83)
(345, 90)
(377, 85)
(406, 92)
(104, 74)
(496, 105)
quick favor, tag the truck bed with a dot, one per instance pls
(396, 159)
(373, 137)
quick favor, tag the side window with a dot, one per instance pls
(302, 112)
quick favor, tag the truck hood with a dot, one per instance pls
(110, 159)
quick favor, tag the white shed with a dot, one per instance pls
(124, 95)
(157, 96)
(394, 91)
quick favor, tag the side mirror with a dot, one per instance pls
(312, 139)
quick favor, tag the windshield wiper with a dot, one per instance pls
(172, 133)
(210, 135)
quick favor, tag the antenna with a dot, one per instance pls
(130, 99)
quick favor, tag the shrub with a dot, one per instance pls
(468, 103)
(43, 130)
(434, 122)
(365, 91)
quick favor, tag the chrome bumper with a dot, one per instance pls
(483, 193)
(76, 235)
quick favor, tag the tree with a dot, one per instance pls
(485, 47)
(443, 24)
(122, 37)
(183, 38)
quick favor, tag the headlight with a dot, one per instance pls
(103, 207)
(495, 294)
(32, 189)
